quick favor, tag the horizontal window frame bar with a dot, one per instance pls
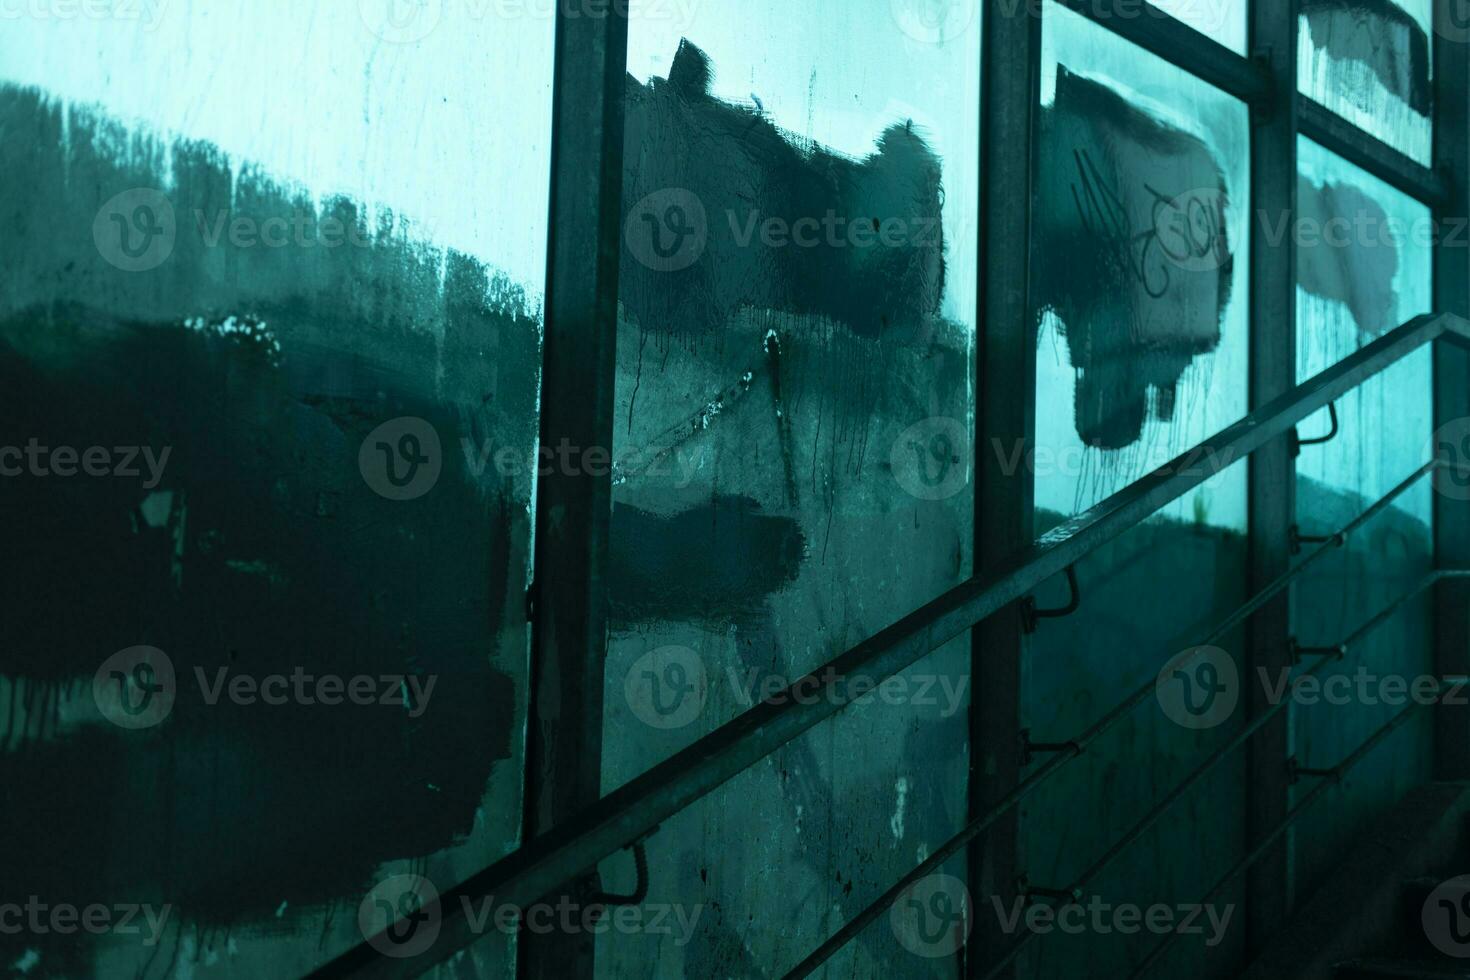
(1169, 38)
(1368, 153)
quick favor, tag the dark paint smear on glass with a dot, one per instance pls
(1380, 35)
(270, 553)
(745, 171)
(1133, 254)
(1352, 258)
(718, 562)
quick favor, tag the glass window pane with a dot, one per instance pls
(274, 245)
(1141, 282)
(1364, 267)
(1370, 62)
(1141, 292)
(1149, 596)
(794, 401)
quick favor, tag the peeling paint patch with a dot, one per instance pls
(896, 823)
(156, 507)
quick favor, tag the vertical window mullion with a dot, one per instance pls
(1006, 380)
(1273, 40)
(574, 504)
(1451, 141)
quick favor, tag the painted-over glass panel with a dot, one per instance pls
(270, 338)
(1141, 260)
(1364, 266)
(1141, 248)
(794, 405)
(1370, 61)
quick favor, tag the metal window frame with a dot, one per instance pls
(1004, 513)
(1271, 487)
(1451, 137)
(568, 601)
(633, 811)
(587, 164)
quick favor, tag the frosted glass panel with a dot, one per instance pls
(1369, 61)
(282, 261)
(1363, 260)
(1141, 272)
(1363, 267)
(1141, 264)
(795, 404)
(1151, 594)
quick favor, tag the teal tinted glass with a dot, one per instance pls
(795, 410)
(1141, 257)
(1371, 63)
(1364, 266)
(286, 252)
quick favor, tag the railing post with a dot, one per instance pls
(1273, 40)
(1452, 377)
(1005, 418)
(573, 509)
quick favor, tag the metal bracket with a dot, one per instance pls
(1031, 616)
(1030, 891)
(1295, 771)
(640, 890)
(1030, 748)
(1297, 442)
(1297, 539)
(1298, 651)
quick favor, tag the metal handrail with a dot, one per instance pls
(1219, 754)
(630, 812)
(1295, 813)
(949, 848)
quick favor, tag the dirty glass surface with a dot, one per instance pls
(1141, 283)
(794, 405)
(1141, 297)
(270, 313)
(1364, 266)
(1370, 61)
